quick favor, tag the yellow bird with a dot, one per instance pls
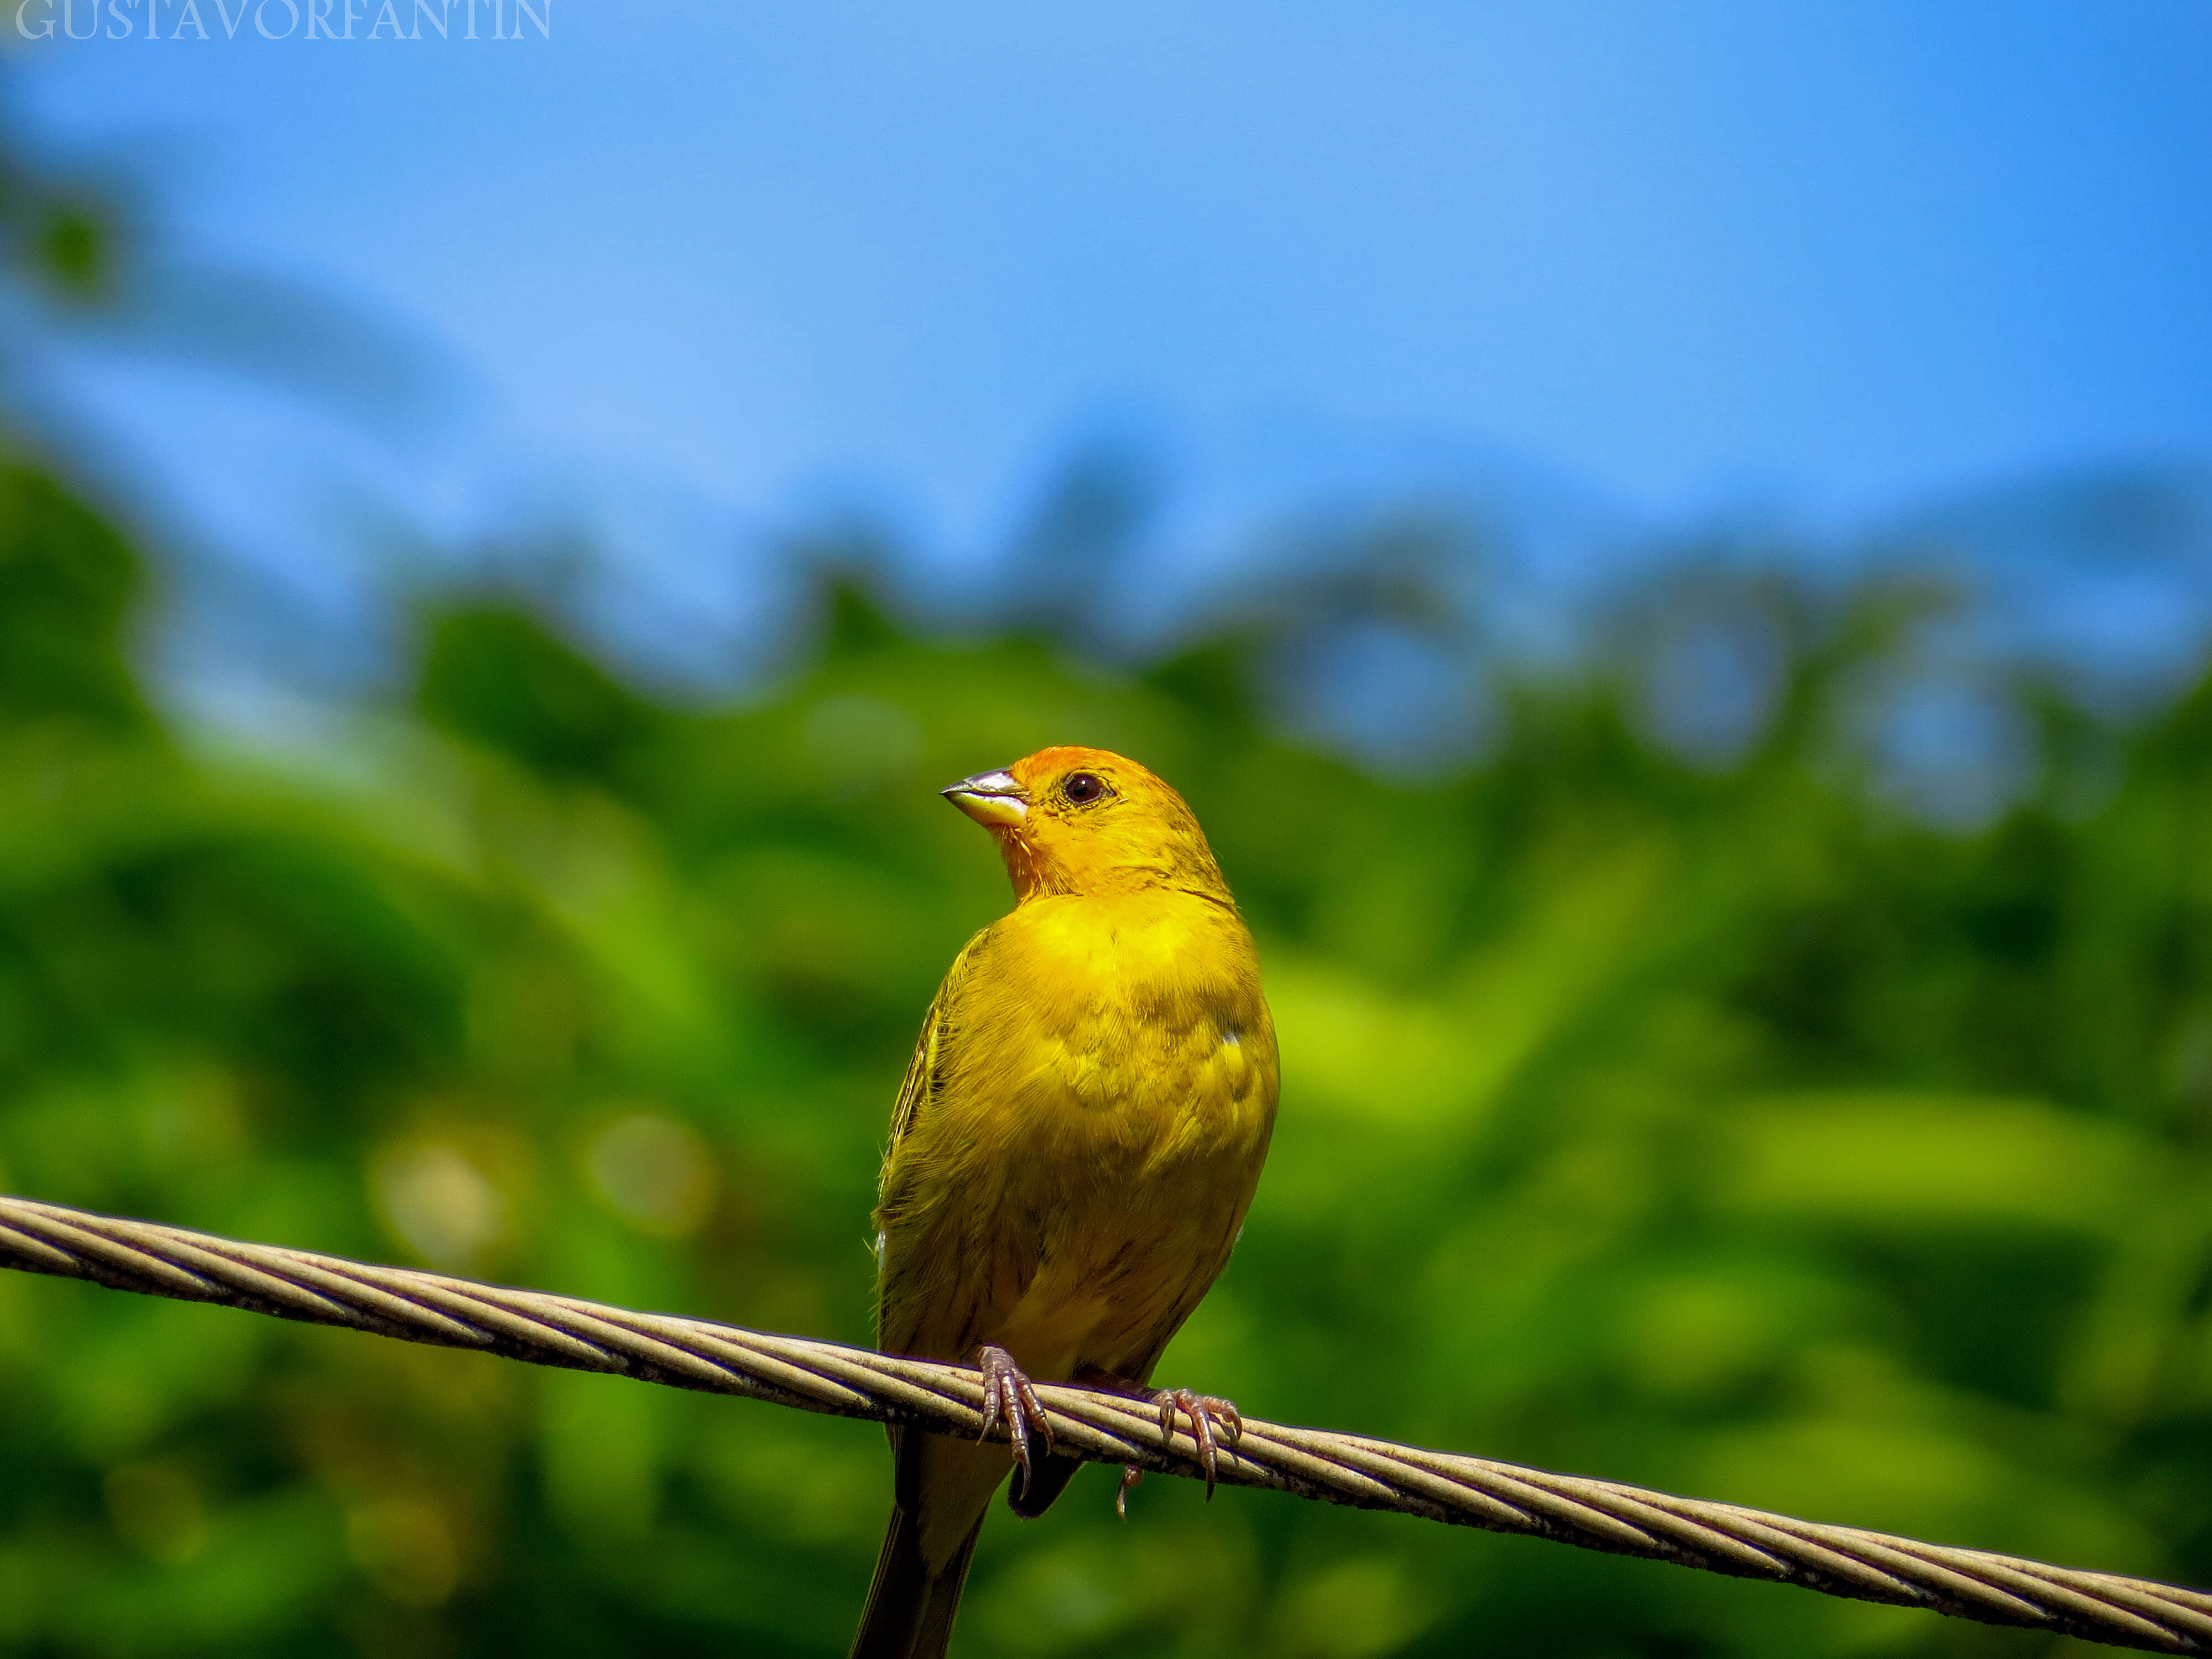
(1072, 1154)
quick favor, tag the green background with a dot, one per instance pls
(1713, 1127)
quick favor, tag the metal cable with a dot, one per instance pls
(1337, 1469)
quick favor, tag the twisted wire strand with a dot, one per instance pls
(1338, 1468)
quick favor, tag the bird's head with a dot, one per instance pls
(1086, 821)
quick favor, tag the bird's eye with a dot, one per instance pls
(1081, 788)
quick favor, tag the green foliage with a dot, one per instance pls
(67, 586)
(1702, 1127)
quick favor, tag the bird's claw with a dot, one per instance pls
(1131, 1473)
(1203, 1412)
(1010, 1399)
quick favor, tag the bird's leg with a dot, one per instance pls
(1203, 1412)
(1009, 1398)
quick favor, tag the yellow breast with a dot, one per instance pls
(1109, 1029)
(1103, 1091)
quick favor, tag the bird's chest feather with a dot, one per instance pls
(1114, 1041)
(1101, 1092)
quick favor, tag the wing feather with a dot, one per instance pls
(923, 1073)
(898, 1297)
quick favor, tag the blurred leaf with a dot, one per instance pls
(1889, 1160)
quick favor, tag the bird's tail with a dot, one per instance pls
(910, 1609)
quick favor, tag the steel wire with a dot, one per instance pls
(1339, 1469)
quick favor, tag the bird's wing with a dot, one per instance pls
(920, 1071)
(916, 1278)
(924, 1072)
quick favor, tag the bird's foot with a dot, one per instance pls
(1206, 1415)
(1214, 1423)
(1009, 1399)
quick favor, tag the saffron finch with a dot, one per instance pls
(1071, 1154)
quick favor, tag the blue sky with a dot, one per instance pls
(732, 262)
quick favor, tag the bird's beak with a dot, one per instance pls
(992, 799)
